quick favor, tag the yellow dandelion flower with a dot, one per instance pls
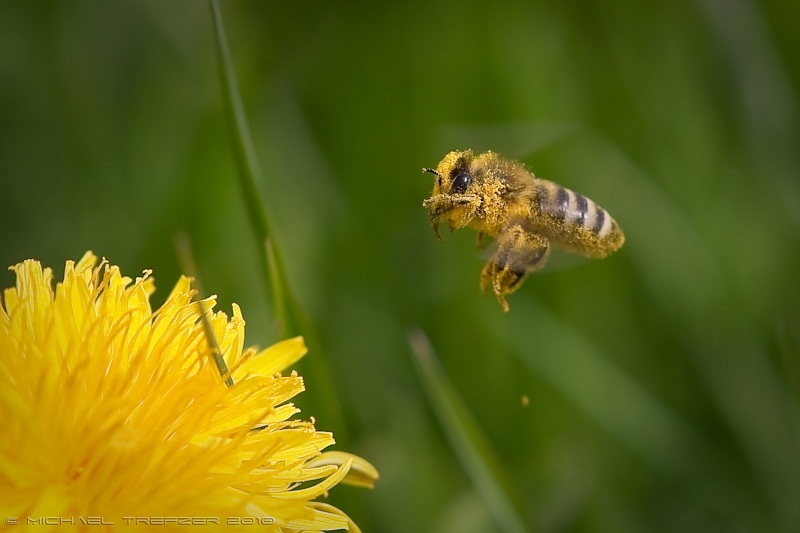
(113, 413)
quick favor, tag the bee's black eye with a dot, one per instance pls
(460, 182)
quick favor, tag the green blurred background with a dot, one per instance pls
(664, 381)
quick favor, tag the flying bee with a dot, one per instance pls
(525, 214)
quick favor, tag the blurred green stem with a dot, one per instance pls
(291, 320)
(213, 344)
(249, 173)
(471, 447)
(183, 247)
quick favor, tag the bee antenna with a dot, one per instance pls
(431, 171)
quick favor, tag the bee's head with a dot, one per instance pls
(452, 200)
(453, 173)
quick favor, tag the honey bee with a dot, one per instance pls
(525, 214)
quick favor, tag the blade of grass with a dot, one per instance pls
(278, 294)
(249, 171)
(183, 248)
(291, 320)
(466, 439)
(213, 344)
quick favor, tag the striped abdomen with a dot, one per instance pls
(575, 221)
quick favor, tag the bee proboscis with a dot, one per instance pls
(525, 214)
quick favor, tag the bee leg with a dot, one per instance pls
(481, 243)
(519, 252)
(436, 230)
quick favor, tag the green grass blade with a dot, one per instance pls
(213, 344)
(291, 320)
(471, 447)
(249, 172)
(278, 293)
(183, 248)
(186, 260)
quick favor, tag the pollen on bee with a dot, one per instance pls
(502, 199)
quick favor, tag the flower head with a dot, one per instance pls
(111, 410)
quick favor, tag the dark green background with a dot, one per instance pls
(663, 381)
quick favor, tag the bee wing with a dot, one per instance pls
(562, 260)
(515, 140)
(559, 259)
